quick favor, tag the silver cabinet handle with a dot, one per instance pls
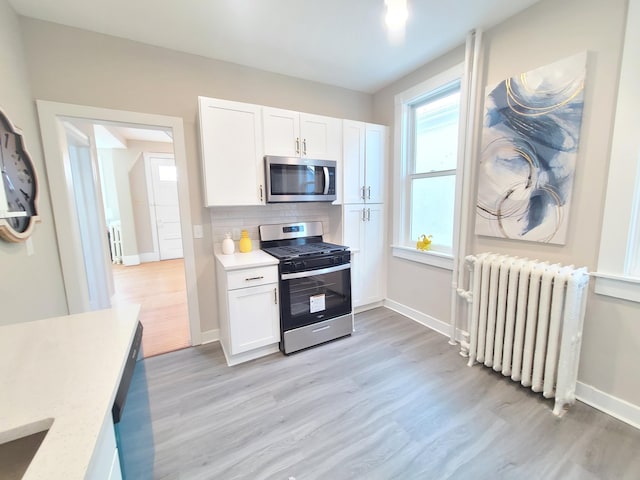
(368, 193)
(275, 296)
(253, 278)
(304, 146)
(298, 145)
(362, 192)
(261, 194)
(368, 214)
(363, 215)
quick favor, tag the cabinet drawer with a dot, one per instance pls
(251, 277)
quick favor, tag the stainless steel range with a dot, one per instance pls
(315, 284)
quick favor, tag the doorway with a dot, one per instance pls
(61, 180)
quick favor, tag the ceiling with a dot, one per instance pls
(336, 42)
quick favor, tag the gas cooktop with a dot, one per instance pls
(304, 250)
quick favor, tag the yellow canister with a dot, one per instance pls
(245, 242)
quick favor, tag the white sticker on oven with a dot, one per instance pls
(316, 303)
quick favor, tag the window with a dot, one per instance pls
(427, 139)
(432, 176)
(619, 259)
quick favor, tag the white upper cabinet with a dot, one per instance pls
(375, 162)
(364, 162)
(232, 155)
(294, 134)
(353, 161)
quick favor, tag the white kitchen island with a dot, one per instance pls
(63, 373)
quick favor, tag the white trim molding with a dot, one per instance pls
(149, 257)
(130, 260)
(614, 406)
(428, 321)
(435, 259)
(50, 115)
(209, 336)
(618, 286)
(619, 247)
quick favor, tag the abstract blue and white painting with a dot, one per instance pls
(529, 150)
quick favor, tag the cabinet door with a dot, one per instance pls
(281, 132)
(375, 162)
(353, 161)
(372, 272)
(254, 317)
(353, 235)
(321, 137)
(231, 149)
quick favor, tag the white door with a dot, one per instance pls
(164, 202)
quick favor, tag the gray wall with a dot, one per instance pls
(30, 286)
(75, 66)
(548, 31)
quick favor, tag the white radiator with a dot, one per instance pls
(525, 321)
(115, 239)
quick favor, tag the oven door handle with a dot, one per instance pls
(311, 273)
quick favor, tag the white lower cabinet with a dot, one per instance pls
(105, 463)
(249, 312)
(363, 233)
(253, 316)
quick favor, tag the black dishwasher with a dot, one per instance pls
(134, 436)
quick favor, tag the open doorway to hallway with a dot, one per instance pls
(138, 195)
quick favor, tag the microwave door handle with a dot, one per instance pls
(326, 180)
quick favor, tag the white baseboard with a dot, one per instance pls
(369, 306)
(129, 260)
(209, 336)
(614, 406)
(422, 318)
(149, 257)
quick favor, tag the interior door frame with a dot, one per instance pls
(51, 115)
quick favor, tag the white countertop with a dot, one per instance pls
(254, 258)
(67, 369)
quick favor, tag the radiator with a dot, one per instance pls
(115, 242)
(525, 321)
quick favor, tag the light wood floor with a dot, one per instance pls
(160, 289)
(393, 401)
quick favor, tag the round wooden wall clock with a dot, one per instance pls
(19, 210)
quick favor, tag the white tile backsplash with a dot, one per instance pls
(225, 219)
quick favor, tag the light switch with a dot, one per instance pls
(197, 231)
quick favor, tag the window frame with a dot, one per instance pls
(403, 166)
(619, 239)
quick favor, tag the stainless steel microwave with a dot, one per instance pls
(291, 179)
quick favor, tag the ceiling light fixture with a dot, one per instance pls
(396, 19)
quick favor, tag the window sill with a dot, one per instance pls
(618, 286)
(435, 259)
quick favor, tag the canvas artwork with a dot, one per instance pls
(529, 148)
